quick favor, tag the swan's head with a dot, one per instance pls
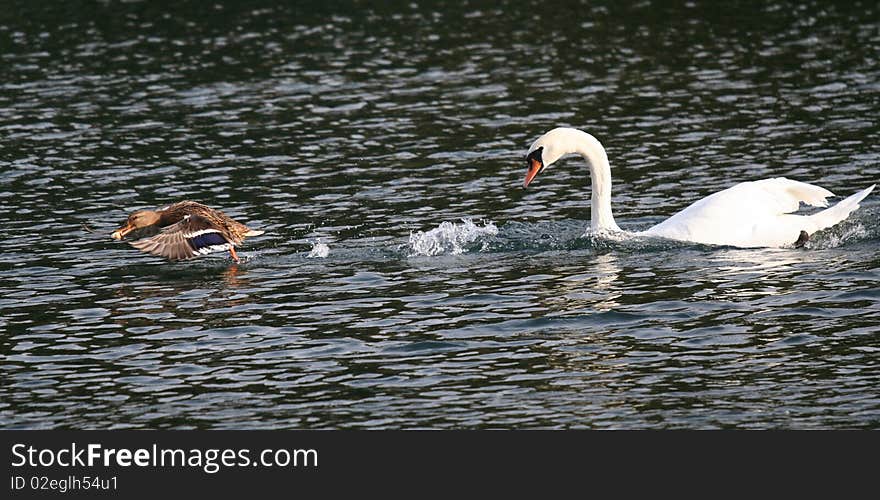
(548, 148)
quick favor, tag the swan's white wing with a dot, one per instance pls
(749, 214)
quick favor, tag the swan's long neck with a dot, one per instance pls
(600, 174)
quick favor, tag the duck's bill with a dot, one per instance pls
(535, 166)
(121, 232)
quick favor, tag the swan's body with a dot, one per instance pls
(749, 214)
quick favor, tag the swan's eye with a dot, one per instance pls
(535, 164)
(535, 158)
(535, 154)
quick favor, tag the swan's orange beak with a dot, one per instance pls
(535, 166)
(122, 231)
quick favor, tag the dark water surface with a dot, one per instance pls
(360, 138)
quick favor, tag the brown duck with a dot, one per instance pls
(188, 230)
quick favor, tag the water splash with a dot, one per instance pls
(451, 238)
(319, 250)
(837, 236)
(456, 238)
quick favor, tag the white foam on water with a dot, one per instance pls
(319, 250)
(449, 238)
(612, 235)
(836, 236)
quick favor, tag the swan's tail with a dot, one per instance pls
(831, 216)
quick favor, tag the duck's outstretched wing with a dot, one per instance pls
(192, 237)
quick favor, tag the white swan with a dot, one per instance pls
(749, 214)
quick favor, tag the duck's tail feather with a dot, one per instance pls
(831, 216)
(253, 232)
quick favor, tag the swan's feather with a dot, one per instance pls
(840, 211)
(753, 214)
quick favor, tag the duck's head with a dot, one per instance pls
(137, 220)
(547, 149)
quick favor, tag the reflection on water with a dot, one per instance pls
(595, 290)
(405, 280)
